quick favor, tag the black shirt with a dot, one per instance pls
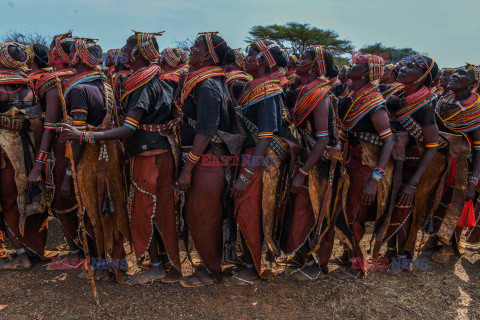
(89, 96)
(267, 116)
(155, 97)
(208, 107)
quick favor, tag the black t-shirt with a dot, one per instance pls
(266, 115)
(155, 98)
(89, 97)
(208, 107)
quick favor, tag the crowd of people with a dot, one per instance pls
(257, 157)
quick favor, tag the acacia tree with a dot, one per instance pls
(300, 36)
(391, 54)
(26, 38)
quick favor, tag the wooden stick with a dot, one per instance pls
(69, 154)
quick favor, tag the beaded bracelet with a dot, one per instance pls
(319, 134)
(244, 179)
(476, 145)
(49, 126)
(131, 123)
(87, 137)
(303, 173)
(42, 156)
(473, 180)
(378, 173)
(193, 158)
(248, 171)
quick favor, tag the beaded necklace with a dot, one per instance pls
(260, 89)
(314, 92)
(198, 76)
(139, 78)
(48, 81)
(13, 77)
(237, 75)
(393, 88)
(86, 76)
(467, 117)
(414, 102)
(367, 99)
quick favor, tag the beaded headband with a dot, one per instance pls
(81, 52)
(374, 62)
(145, 45)
(211, 48)
(476, 70)
(171, 57)
(239, 58)
(6, 59)
(265, 50)
(30, 52)
(320, 59)
(422, 62)
(57, 50)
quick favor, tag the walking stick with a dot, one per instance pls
(69, 154)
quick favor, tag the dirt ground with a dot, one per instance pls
(451, 291)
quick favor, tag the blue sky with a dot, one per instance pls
(449, 31)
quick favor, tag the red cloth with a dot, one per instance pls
(153, 174)
(204, 213)
(467, 219)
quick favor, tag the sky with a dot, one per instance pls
(448, 31)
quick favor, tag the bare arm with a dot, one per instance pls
(320, 117)
(381, 123)
(52, 115)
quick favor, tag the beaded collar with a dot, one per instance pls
(414, 102)
(237, 75)
(8, 76)
(84, 77)
(139, 78)
(310, 95)
(367, 99)
(48, 81)
(198, 76)
(465, 117)
(260, 89)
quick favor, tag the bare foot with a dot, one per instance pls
(21, 262)
(247, 276)
(148, 276)
(199, 279)
(311, 272)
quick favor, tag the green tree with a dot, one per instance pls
(300, 36)
(391, 54)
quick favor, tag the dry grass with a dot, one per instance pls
(440, 292)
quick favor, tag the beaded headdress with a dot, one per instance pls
(81, 52)
(6, 59)
(146, 45)
(30, 52)
(265, 51)
(239, 58)
(171, 57)
(374, 62)
(422, 62)
(320, 59)
(476, 70)
(211, 47)
(57, 53)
